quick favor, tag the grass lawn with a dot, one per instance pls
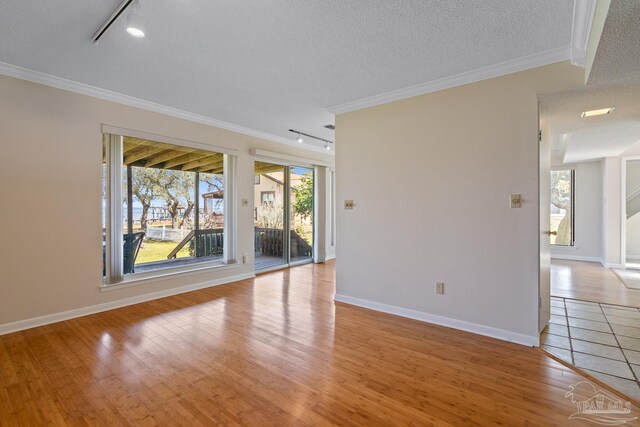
(157, 250)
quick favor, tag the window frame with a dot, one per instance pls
(113, 238)
(332, 206)
(265, 193)
(572, 176)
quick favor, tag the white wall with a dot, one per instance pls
(632, 231)
(50, 175)
(632, 151)
(632, 176)
(588, 215)
(612, 227)
(633, 237)
(444, 165)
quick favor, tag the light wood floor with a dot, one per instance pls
(590, 281)
(272, 351)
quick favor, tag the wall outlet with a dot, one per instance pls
(348, 204)
(440, 288)
(245, 257)
(245, 202)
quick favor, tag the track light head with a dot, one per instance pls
(135, 23)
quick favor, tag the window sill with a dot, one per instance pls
(563, 247)
(165, 274)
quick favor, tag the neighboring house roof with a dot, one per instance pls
(213, 195)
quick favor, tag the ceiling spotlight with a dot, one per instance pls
(600, 112)
(135, 23)
(299, 139)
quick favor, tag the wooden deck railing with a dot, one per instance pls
(268, 241)
(202, 243)
(299, 246)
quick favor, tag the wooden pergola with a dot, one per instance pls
(139, 152)
(262, 168)
(144, 153)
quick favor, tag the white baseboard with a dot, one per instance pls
(610, 265)
(633, 257)
(329, 257)
(530, 341)
(576, 258)
(21, 325)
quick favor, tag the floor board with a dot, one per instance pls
(590, 281)
(275, 350)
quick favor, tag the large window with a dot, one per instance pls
(562, 207)
(164, 206)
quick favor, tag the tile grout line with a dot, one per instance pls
(618, 346)
(566, 317)
(615, 337)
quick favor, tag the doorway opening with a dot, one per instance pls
(589, 306)
(283, 215)
(631, 210)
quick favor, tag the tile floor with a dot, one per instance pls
(601, 339)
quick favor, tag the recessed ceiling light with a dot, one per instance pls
(599, 112)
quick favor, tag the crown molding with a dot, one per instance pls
(491, 71)
(583, 13)
(108, 95)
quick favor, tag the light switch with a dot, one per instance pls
(245, 202)
(516, 201)
(348, 204)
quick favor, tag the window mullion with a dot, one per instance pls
(196, 221)
(573, 207)
(229, 209)
(114, 237)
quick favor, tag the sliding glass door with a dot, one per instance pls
(269, 215)
(301, 214)
(283, 215)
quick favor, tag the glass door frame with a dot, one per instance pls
(286, 244)
(313, 215)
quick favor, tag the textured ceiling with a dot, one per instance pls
(275, 65)
(618, 55)
(594, 137)
(614, 82)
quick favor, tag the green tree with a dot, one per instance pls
(145, 185)
(176, 188)
(303, 204)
